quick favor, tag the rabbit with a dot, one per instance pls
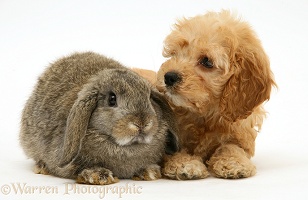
(95, 121)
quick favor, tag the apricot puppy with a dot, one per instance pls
(216, 79)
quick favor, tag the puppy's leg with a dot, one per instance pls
(147, 74)
(182, 166)
(96, 176)
(150, 173)
(230, 161)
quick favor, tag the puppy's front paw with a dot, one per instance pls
(231, 162)
(231, 168)
(148, 174)
(96, 176)
(183, 166)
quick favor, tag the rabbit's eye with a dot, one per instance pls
(112, 100)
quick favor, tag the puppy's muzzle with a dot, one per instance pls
(172, 78)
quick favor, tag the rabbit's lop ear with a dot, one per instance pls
(77, 124)
(172, 143)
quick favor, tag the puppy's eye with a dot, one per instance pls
(206, 62)
(112, 100)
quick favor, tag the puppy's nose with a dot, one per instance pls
(172, 78)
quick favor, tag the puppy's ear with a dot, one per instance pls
(249, 86)
(175, 41)
(172, 142)
(77, 124)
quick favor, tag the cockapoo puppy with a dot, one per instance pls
(216, 78)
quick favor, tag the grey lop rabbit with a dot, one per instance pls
(93, 120)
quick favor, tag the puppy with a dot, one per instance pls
(216, 79)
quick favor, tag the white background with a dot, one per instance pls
(35, 33)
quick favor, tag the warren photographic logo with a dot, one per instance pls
(71, 189)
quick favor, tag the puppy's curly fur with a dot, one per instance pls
(216, 79)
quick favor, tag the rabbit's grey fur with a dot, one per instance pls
(71, 131)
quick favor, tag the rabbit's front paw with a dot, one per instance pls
(96, 176)
(40, 168)
(150, 173)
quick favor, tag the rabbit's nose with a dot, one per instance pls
(134, 127)
(148, 126)
(139, 127)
